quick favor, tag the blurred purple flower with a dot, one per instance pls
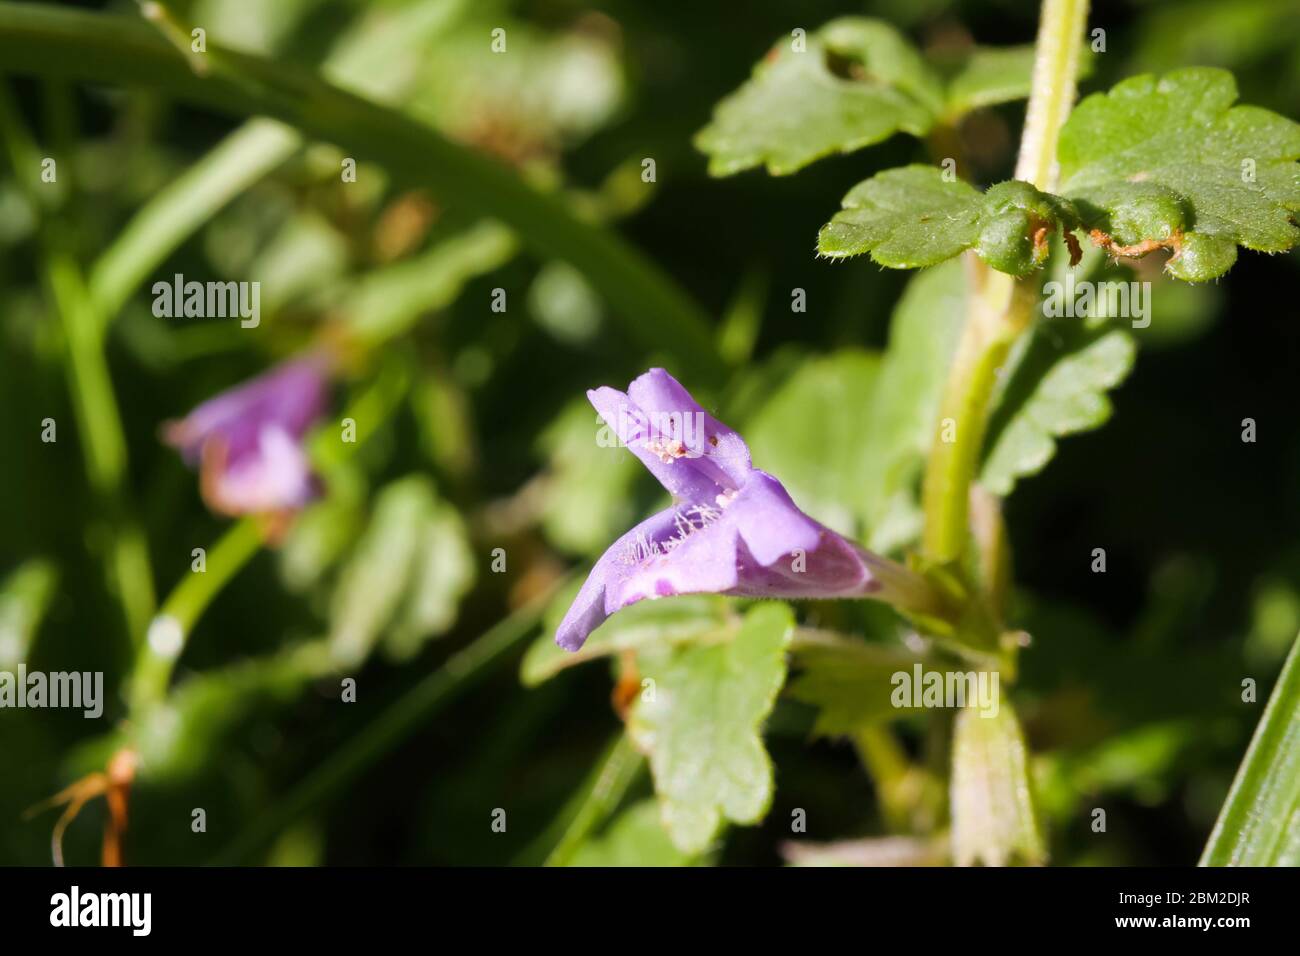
(248, 441)
(731, 530)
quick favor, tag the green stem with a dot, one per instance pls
(191, 597)
(460, 672)
(599, 797)
(182, 609)
(999, 307)
(655, 311)
(893, 776)
(1056, 71)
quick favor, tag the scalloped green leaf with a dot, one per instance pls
(443, 573)
(1055, 384)
(376, 577)
(906, 218)
(849, 681)
(1170, 162)
(911, 217)
(700, 724)
(853, 83)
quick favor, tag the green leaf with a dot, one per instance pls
(553, 87)
(900, 428)
(1155, 163)
(1142, 764)
(444, 572)
(993, 815)
(810, 432)
(1169, 160)
(987, 76)
(634, 838)
(647, 626)
(857, 82)
(912, 217)
(701, 726)
(563, 303)
(322, 532)
(1055, 384)
(848, 680)
(906, 218)
(1259, 824)
(405, 579)
(387, 302)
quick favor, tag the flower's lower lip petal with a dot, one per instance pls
(585, 614)
(274, 475)
(701, 562)
(590, 608)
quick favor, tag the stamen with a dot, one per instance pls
(686, 522)
(667, 450)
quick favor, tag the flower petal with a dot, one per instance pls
(693, 455)
(634, 430)
(658, 394)
(292, 395)
(771, 522)
(591, 606)
(247, 441)
(274, 475)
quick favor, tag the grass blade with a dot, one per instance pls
(1259, 824)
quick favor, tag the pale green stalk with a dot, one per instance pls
(1000, 307)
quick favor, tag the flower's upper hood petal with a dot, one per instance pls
(693, 455)
(291, 396)
(717, 447)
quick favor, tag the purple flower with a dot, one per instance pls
(248, 442)
(731, 530)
